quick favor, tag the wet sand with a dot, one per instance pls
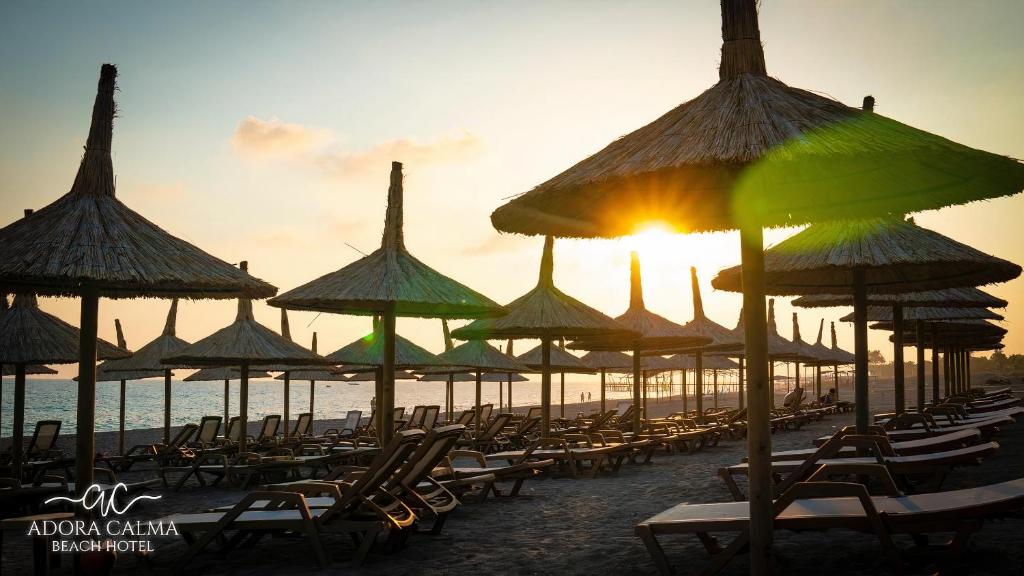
(566, 526)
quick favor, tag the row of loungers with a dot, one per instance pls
(891, 491)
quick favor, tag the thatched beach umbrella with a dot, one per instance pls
(224, 374)
(605, 362)
(560, 361)
(479, 356)
(752, 152)
(7, 369)
(314, 374)
(150, 357)
(956, 342)
(244, 343)
(961, 297)
(285, 375)
(390, 282)
(884, 255)
(88, 244)
(654, 332)
(30, 336)
(547, 313)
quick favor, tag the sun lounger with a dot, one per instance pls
(160, 453)
(823, 506)
(206, 434)
(518, 471)
(926, 445)
(360, 508)
(488, 439)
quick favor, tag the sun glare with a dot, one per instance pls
(650, 238)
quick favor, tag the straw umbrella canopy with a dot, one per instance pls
(224, 374)
(30, 370)
(313, 374)
(88, 244)
(560, 361)
(605, 361)
(30, 336)
(752, 152)
(877, 255)
(547, 313)
(843, 356)
(481, 357)
(467, 377)
(390, 282)
(964, 297)
(370, 377)
(285, 374)
(244, 343)
(914, 314)
(150, 357)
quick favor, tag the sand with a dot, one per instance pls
(566, 526)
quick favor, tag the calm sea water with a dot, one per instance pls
(55, 399)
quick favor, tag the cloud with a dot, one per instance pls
(255, 137)
(318, 147)
(456, 147)
(495, 243)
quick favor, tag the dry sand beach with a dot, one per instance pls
(584, 526)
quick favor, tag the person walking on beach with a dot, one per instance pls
(581, 397)
(588, 397)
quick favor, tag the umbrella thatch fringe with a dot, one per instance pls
(979, 328)
(467, 377)
(30, 370)
(896, 255)
(479, 355)
(369, 351)
(708, 362)
(545, 311)
(964, 297)
(913, 313)
(607, 360)
(561, 361)
(389, 275)
(30, 336)
(222, 373)
(89, 238)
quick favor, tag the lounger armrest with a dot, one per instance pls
(313, 488)
(107, 472)
(48, 478)
(473, 454)
(878, 471)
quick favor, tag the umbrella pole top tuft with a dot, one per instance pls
(171, 326)
(96, 173)
(636, 287)
(547, 264)
(285, 328)
(393, 235)
(698, 302)
(121, 343)
(869, 104)
(742, 52)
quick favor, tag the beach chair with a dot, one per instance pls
(938, 443)
(349, 426)
(521, 435)
(430, 416)
(517, 471)
(267, 434)
(303, 426)
(161, 453)
(416, 419)
(206, 434)
(43, 443)
(413, 484)
(487, 441)
(485, 413)
(466, 418)
(821, 506)
(358, 506)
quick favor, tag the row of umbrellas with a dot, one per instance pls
(749, 152)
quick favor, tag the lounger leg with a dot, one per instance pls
(515, 487)
(656, 552)
(720, 560)
(369, 539)
(730, 483)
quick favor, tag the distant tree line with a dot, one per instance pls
(997, 363)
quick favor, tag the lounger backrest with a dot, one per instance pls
(399, 412)
(44, 438)
(208, 428)
(271, 423)
(184, 435)
(416, 420)
(622, 407)
(528, 424)
(499, 423)
(380, 469)
(533, 412)
(303, 424)
(430, 417)
(466, 417)
(234, 430)
(431, 452)
(352, 419)
(485, 412)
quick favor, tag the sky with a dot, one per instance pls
(264, 131)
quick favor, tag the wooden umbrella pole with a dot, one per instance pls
(167, 406)
(227, 402)
(935, 372)
(945, 372)
(643, 384)
(759, 444)
(243, 406)
(771, 383)
(637, 382)
(739, 386)
(860, 348)
(378, 394)
(714, 384)
(686, 398)
(920, 365)
(312, 395)
(287, 395)
(545, 386)
(602, 391)
(120, 420)
(18, 430)
(448, 397)
(967, 367)
(476, 419)
(510, 392)
(835, 380)
(698, 383)
(898, 377)
(817, 382)
(561, 388)
(85, 428)
(388, 406)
